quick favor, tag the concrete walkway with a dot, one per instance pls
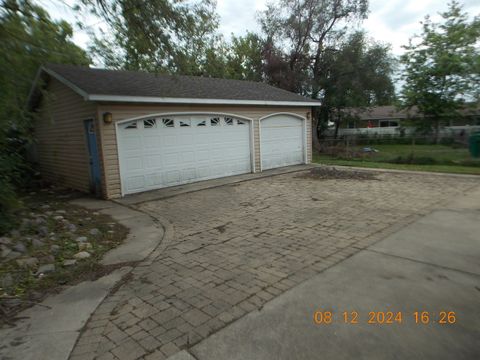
(431, 265)
(50, 330)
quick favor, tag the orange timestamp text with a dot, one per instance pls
(384, 317)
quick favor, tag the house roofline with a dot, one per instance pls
(160, 100)
(66, 82)
(172, 100)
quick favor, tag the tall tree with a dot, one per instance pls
(244, 58)
(28, 38)
(357, 74)
(442, 67)
(299, 32)
(159, 35)
(240, 58)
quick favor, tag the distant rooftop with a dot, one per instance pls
(391, 112)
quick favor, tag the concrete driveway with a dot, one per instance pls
(431, 266)
(245, 251)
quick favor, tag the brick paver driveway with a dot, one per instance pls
(236, 247)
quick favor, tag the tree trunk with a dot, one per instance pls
(337, 125)
(315, 136)
(315, 130)
(436, 131)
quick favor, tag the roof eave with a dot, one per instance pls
(66, 82)
(44, 70)
(171, 100)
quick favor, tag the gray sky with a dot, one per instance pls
(391, 21)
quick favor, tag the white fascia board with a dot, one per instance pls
(147, 99)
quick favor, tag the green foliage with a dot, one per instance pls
(8, 198)
(239, 59)
(412, 159)
(454, 169)
(28, 38)
(429, 157)
(442, 68)
(180, 38)
(309, 50)
(156, 36)
(298, 34)
(244, 58)
(358, 74)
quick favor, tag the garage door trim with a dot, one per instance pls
(186, 113)
(300, 117)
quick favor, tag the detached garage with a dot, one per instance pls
(120, 132)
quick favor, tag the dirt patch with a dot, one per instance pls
(222, 228)
(324, 173)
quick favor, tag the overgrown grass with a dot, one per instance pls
(441, 154)
(434, 158)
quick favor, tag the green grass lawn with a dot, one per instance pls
(437, 158)
(439, 153)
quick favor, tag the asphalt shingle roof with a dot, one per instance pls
(142, 84)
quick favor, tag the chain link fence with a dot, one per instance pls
(402, 150)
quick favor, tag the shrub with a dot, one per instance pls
(468, 162)
(448, 141)
(423, 160)
(10, 169)
(411, 159)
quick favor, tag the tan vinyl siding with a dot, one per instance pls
(111, 174)
(61, 148)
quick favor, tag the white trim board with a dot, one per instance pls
(171, 100)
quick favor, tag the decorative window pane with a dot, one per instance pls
(215, 121)
(241, 122)
(228, 120)
(149, 123)
(202, 123)
(167, 122)
(132, 125)
(184, 123)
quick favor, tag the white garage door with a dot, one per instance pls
(282, 140)
(170, 150)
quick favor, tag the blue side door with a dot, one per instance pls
(95, 181)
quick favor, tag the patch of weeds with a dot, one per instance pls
(325, 173)
(413, 160)
(468, 162)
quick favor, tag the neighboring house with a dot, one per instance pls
(123, 132)
(375, 117)
(386, 120)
